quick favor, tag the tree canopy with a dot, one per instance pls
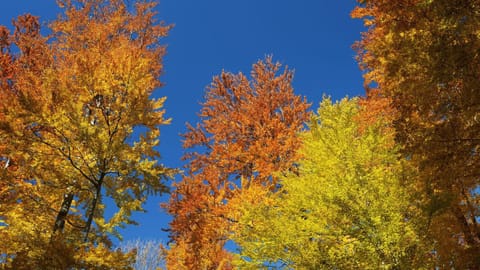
(389, 180)
(72, 101)
(423, 55)
(346, 207)
(247, 131)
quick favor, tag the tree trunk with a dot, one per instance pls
(94, 206)
(63, 212)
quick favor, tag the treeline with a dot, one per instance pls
(385, 181)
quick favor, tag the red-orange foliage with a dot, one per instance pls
(248, 131)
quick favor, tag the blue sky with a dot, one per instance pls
(312, 37)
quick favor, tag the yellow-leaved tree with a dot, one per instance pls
(345, 208)
(77, 125)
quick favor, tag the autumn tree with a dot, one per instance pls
(73, 106)
(23, 225)
(345, 208)
(248, 131)
(424, 56)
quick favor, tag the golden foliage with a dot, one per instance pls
(73, 102)
(346, 208)
(423, 56)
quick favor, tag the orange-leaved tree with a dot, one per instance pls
(423, 55)
(248, 131)
(78, 124)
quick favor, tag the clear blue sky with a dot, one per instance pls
(313, 37)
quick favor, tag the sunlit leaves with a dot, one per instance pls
(423, 55)
(247, 132)
(76, 102)
(347, 207)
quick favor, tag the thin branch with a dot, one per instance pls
(68, 156)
